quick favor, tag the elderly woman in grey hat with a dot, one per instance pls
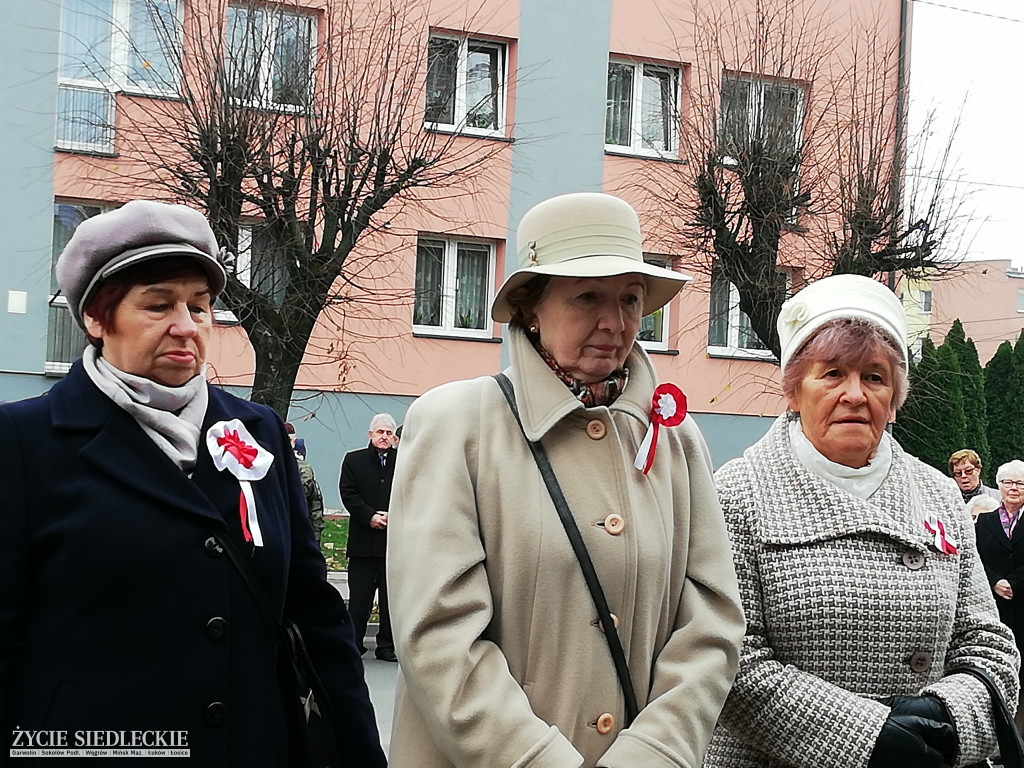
(505, 657)
(863, 592)
(123, 621)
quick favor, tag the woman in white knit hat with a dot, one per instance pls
(861, 585)
(505, 658)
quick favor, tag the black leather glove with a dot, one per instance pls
(929, 707)
(909, 741)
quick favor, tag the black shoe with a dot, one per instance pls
(386, 654)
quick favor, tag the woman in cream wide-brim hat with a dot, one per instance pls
(503, 661)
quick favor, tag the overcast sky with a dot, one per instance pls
(967, 57)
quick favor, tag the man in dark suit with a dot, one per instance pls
(365, 487)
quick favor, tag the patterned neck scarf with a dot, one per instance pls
(1009, 521)
(602, 392)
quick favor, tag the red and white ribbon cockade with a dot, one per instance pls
(943, 541)
(234, 449)
(668, 409)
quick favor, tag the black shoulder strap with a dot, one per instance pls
(1011, 748)
(251, 581)
(586, 564)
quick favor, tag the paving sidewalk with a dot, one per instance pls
(380, 675)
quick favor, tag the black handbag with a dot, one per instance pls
(586, 564)
(312, 736)
(1011, 749)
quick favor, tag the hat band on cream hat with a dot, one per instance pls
(584, 235)
(840, 297)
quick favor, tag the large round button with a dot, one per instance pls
(615, 622)
(921, 661)
(216, 627)
(913, 559)
(614, 524)
(605, 723)
(596, 429)
(213, 547)
(216, 712)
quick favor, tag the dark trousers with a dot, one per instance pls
(367, 575)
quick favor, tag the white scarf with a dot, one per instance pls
(860, 482)
(171, 416)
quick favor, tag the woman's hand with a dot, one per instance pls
(913, 740)
(1003, 589)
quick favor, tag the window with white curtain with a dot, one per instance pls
(653, 330)
(261, 263)
(764, 110)
(642, 109)
(270, 55)
(65, 341)
(465, 84)
(109, 46)
(729, 331)
(453, 285)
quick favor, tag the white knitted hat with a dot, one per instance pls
(840, 296)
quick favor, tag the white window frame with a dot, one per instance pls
(663, 319)
(757, 86)
(448, 326)
(111, 76)
(924, 301)
(461, 107)
(1020, 300)
(732, 347)
(58, 299)
(272, 16)
(636, 145)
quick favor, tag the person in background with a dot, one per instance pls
(365, 485)
(1001, 546)
(119, 609)
(965, 468)
(504, 661)
(398, 436)
(314, 496)
(861, 585)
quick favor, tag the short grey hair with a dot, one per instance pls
(385, 419)
(1010, 470)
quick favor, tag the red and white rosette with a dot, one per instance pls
(943, 541)
(668, 409)
(234, 449)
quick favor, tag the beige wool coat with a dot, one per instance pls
(848, 601)
(502, 660)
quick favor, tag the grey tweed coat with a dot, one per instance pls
(846, 602)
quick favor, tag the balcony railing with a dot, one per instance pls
(85, 119)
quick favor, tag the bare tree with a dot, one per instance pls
(795, 154)
(307, 121)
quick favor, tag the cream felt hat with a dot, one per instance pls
(840, 296)
(584, 234)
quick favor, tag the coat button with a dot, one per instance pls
(615, 622)
(913, 559)
(216, 712)
(614, 524)
(921, 661)
(596, 429)
(216, 627)
(605, 723)
(213, 547)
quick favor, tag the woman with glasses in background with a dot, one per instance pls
(965, 468)
(1001, 547)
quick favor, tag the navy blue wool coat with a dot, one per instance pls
(117, 612)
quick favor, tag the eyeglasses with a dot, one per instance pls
(964, 472)
(1012, 483)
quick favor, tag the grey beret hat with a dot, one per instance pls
(138, 231)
